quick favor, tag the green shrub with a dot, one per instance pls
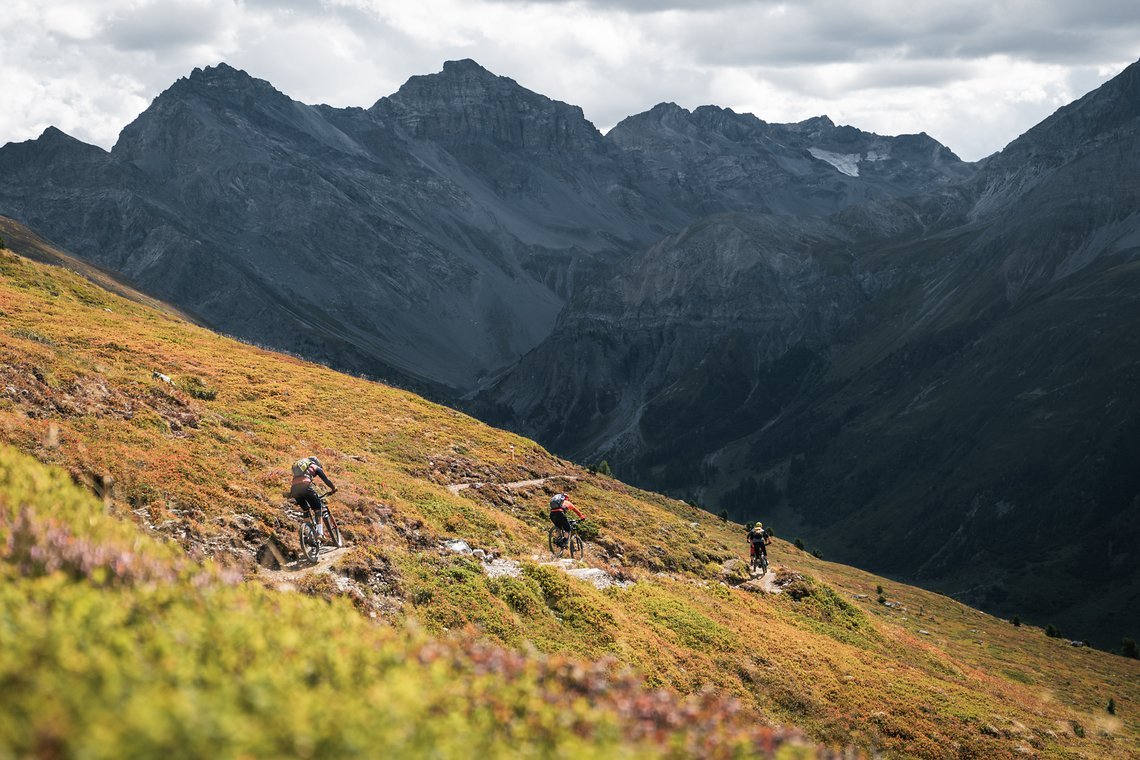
(690, 627)
(31, 335)
(1128, 649)
(1111, 706)
(196, 387)
(575, 604)
(799, 544)
(523, 595)
(1052, 631)
(589, 530)
(1016, 621)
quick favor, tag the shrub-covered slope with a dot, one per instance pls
(189, 436)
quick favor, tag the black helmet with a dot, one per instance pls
(316, 461)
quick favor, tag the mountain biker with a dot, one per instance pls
(302, 490)
(758, 539)
(559, 503)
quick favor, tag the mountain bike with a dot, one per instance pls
(760, 560)
(311, 538)
(561, 541)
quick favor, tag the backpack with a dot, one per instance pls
(301, 467)
(556, 501)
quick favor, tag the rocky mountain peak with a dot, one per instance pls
(53, 145)
(220, 82)
(466, 103)
(468, 68)
(209, 113)
(1108, 113)
(664, 124)
(811, 127)
(1110, 107)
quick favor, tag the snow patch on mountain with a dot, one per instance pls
(847, 163)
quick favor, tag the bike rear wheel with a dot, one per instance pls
(556, 540)
(310, 544)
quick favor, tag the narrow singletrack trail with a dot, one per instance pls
(457, 487)
(299, 568)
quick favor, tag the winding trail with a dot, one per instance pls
(455, 488)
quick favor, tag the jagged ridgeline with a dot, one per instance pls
(149, 617)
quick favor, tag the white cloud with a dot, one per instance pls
(972, 74)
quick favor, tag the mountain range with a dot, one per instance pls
(920, 365)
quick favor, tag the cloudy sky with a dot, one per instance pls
(974, 74)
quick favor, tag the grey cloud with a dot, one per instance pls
(870, 76)
(651, 6)
(161, 26)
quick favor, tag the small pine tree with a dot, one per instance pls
(3, 245)
(1111, 706)
(799, 544)
(882, 599)
(1128, 649)
(604, 468)
(879, 590)
(1052, 631)
(723, 515)
(1016, 621)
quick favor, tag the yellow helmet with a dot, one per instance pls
(759, 524)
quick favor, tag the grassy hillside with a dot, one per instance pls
(202, 462)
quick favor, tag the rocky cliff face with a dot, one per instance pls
(715, 160)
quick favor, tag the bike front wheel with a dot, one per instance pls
(577, 547)
(332, 530)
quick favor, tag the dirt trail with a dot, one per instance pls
(299, 568)
(457, 487)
